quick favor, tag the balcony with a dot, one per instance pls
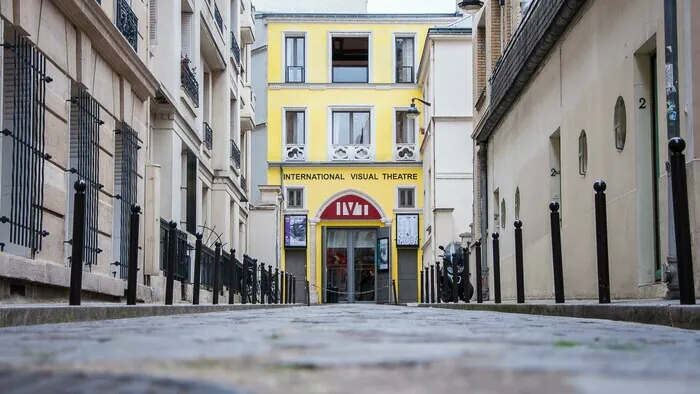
(235, 155)
(404, 74)
(352, 152)
(247, 23)
(219, 19)
(406, 152)
(127, 23)
(247, 108)
(208, 136)
(188, 81)
(235, 49)
(295, 152)
(244, 184)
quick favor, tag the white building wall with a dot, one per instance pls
(453, 77)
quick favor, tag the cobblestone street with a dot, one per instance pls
(359, 348)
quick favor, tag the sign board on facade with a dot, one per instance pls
(350, 207)
(407, 230)
(360, 176)
(295, 231)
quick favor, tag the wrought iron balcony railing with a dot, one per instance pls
(127, 23)
(235, 155)
(235, 49)
(219, 19)
(295, 74)
(208, 136)
(188, 81)
(244, 184)
(404, 74)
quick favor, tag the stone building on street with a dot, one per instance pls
(149, 102)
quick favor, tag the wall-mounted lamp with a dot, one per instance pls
(470, 6)
(413, 112)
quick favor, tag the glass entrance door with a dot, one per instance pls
(350, 265)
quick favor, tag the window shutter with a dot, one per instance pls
(186, 30)
(152, 18)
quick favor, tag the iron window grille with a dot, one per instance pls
(85, 163)
(219, 19)
(404, 74)
(235, 49)
(128, 23)
(208, 136)
(125, 182)
(235, 154)
(244, 184)
(188, 81)
(25, 82)
(407, 198)
(182, 253)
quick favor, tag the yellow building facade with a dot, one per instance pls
(345, 151)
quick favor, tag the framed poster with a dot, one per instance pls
(383, 254)
(295, 231)
(407, 230)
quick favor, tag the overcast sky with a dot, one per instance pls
(410, 6)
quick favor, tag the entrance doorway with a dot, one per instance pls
(350, 269)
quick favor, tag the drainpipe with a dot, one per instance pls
(672, 130)
(688, 83)
(483, 149)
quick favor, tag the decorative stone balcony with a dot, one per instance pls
(407, 152)
(352, 152)
(127, 23)
(235, 155)
(295, 152)
(247, 108)
(247, 22)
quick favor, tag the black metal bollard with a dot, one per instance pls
(255, 281)
(496, 269)
(479, 286)
(197, 268)
(294, 289)
(263, 284)
(278, 296)
(393, 287)
(601, 236)
(426, 285)
(556, 253)
(172, 248)
(465, 274)
(438, 274)
(283, 287)
(133, 255)
(244, 285)
(432, 284)
(217, 273)
(519, 280)
(455, 295)
(232, 287)
(422, 287)
(78, 243)
(270, 296)
(681, 220)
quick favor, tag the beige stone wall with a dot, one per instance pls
(600, 59)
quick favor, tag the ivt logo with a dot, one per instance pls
(350, 208)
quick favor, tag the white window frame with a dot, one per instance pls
(415, 56)
(284, 131)
(366, 34)
(294, 34)
(303, 197)
(397, 197)
(372, 131)
(416, 131)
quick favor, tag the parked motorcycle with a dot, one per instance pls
(453, 252)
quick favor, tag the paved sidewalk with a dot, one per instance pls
(359, 348)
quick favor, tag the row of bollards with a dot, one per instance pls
(681, 218)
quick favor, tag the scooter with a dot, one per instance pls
(453, 252)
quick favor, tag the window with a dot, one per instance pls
(295, 197)
(405, 128)
(407, 197)
(295, 123)
(517, 203)
(350, 59)
(125, 189)
(582, 153)
(351, 128)
(404, 60)
(503, 213)
(294, 60)
(620, 124)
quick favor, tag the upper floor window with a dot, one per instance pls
(295, 197)
(351, 135)
(405, 56)
(294, 63)
(350, 59)
(406, 148)
(407, 197)
(295, 127)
